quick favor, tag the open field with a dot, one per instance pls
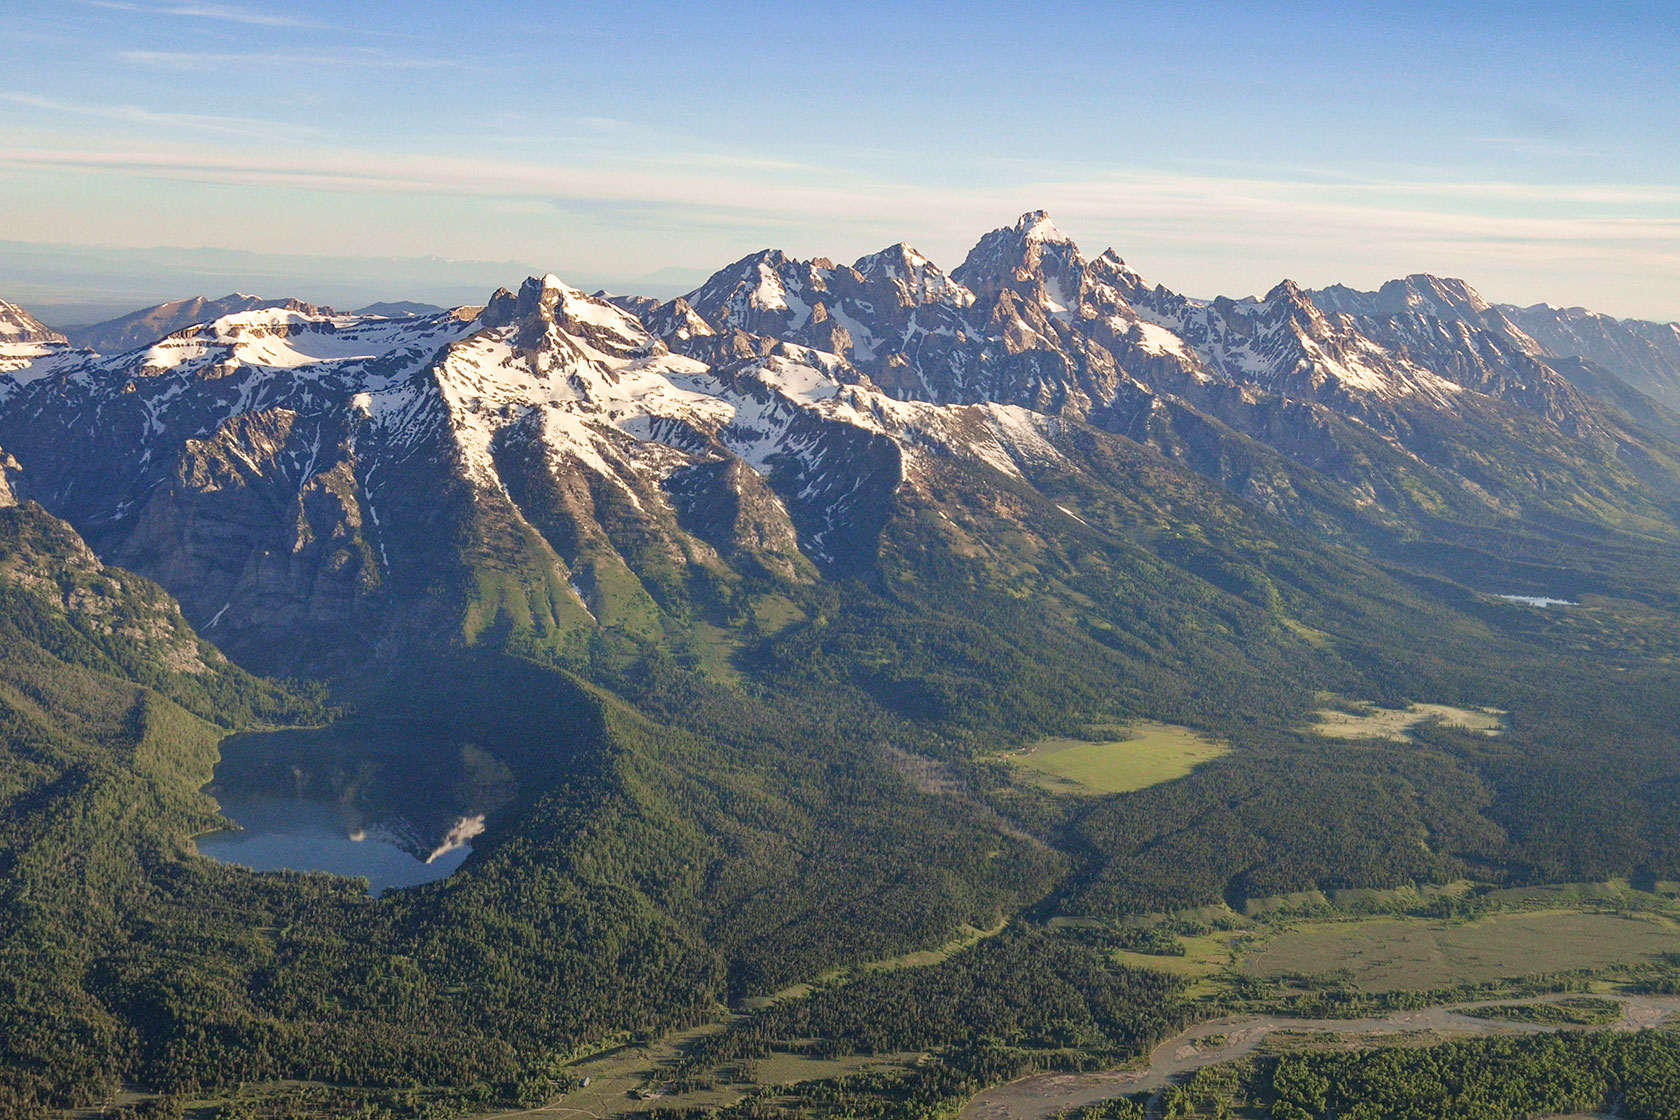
(1144, 754)
(1371, 722)
(1204, 959)
(1384, 954)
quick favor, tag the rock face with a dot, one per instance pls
(319, 488)
(8, 467)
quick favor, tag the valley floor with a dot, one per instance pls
(1219, 1041)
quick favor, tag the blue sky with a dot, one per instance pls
(424, 150)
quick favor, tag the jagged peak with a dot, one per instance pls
(548, 301)
(1111, 263)
(920, 279)
(1286, 290)
(1035, 225)
(1011, 254)
(532, 299)
(775, 258)
(1420, 293)
(899, 256)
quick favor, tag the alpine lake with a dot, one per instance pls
(391, 802)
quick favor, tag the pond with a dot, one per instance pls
(397, 802)
(288, 834)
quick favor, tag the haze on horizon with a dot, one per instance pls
(326, 151)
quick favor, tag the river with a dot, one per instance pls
(1040, 1095)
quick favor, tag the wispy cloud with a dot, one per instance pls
(134, 114)
(220, 12)
(1146, 197)
(1218, 233)
(365, 59)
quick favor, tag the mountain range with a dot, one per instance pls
(738, 595)
(286, 470)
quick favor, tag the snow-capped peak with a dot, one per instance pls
(1443, 297)
(894, 262)
(1035, 225)
(918, 278)
(546, 304)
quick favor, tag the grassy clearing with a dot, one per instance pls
(775, 613)
(1388, 954)
(1366, 721)
(1145, 754)
(712, 648)
(790, 1069)
(1205, 958)
(615, 1076)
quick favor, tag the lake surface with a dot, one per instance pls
(292, 834)
(1539, 601)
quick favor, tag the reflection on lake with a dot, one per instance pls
(295, 835)
(398, 801)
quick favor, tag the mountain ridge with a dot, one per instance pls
(831, 385)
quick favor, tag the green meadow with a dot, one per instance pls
(1141, 755)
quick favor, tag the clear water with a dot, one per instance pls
(298, 835)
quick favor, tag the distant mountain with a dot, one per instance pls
(18, 325)
(400, 309)
(1646, 355)
(1435, 297)
(146, 326)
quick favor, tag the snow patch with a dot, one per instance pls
(1155, 339)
